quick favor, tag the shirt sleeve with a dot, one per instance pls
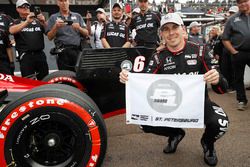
(222, 86)
(158, 19)
(154, 64)
(92, 30)
(227, 30)
(128, 35)
(51, 23)
(81, 21)
(132, 24)
(103, 32)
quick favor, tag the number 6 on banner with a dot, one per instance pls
(139, 64)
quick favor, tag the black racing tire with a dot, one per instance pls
(53, 125)
(64, 77)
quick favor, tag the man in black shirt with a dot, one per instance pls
(185, 57)
(236, 38)
(194, 33)
(6, 55)
(116, 33)
(146, 24)
(28, 32)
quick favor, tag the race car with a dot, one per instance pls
(59, 122)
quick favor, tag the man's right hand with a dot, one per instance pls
(88, 16)
(123, 76)
(60, 23)
(30, 17)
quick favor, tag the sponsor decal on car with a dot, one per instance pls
(6, 78)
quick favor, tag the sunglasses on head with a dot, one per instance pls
(24, 6)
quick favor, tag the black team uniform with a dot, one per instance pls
(192, 60)
(6, 66)
(116, 34)
(30, 45)
(146, 27)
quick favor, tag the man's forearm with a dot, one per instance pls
(84, 31)
(229, 46)
(127, 45)
(10, 54)
(17, 28)
(52, 33)
(105, 43)
(89, 27)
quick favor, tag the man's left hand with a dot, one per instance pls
(41, 18)
(76, 26)
(212, 77)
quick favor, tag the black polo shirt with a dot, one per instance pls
(4, 44)
(146, 27)
(5, 22)
(196, 38)
(116, 34)
(29, 38)
(237, 31)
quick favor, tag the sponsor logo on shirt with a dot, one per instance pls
(73, 18)
(116, 34)
(191, 62)
(237, 19)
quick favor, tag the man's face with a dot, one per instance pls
(101, 16)
(244, 6)
(195, 29)
(23, 10)
(143, 5)
(116, 13)
(63, 5)
(173, 34)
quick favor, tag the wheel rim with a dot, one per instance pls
(51, 143)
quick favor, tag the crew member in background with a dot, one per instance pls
(67, 29)
(7, 65)
(116, 33)
(236, 38)
(96, 29)
(194, 33)
(28, 32)
(146, 24)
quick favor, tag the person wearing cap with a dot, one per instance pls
(96, 29)
(236, 39)
(187, 58)
(232, 10)
(116, 33)
(194, 33)
(67, 29)
(6, 54)
(28, 31)
(146, 24)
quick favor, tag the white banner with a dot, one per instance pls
(165, 100)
